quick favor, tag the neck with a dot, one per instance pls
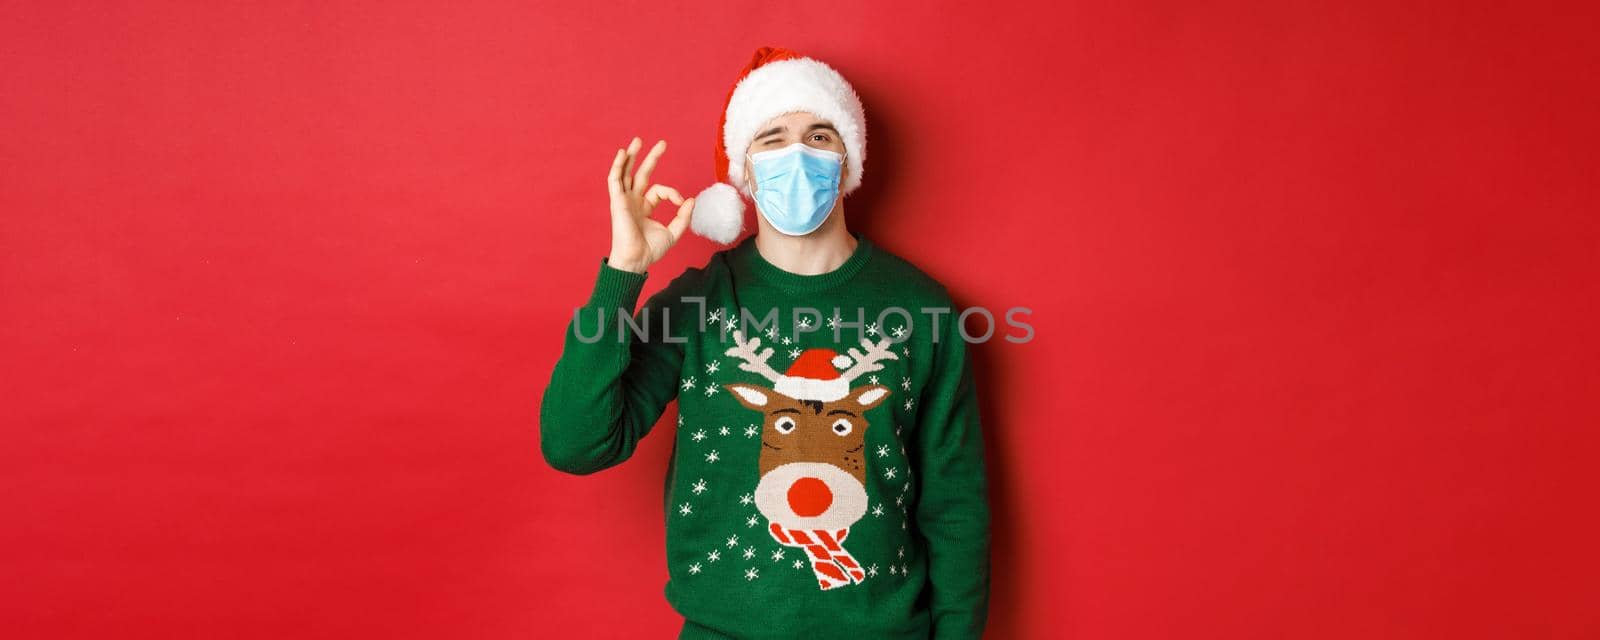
(815, 253)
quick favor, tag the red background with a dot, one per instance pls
(1314, 291)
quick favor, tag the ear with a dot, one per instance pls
(867, 397)
(751, 397)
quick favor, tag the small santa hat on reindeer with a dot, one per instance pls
(775, 82)
(815, 376)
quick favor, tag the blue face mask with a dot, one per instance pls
(796, 186)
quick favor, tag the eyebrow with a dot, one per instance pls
(785, 411)
(841, 411)
(780, 128)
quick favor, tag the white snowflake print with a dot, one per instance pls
(713, 366)
(751, 574)
(729, 324)
(883, 449)
(805, 323)
(902, 524)
(777, 555)
(907, 351)
(749, 552)
(694, 569)
(833, 323)
(901, 553)
(733, 541)
(723, 431)
(680, 420)
(749, 431)
(908, 404)
(684, 509)
(772, 332)
(799, 564)
(905, 383)
(900, 501)
(872, 379)
(699, 434)
(714, 556)
(751, 521)
(699, 486)
(710, 390)
(746, 499)
(888, 474)
(897, 434)
(898, 332)
(713, 456)
(688, 383)
(908, 483)
(786, 340)
(872, 571)
(872, 328)
(714, 317)
(892, 570)
(794, 353)
(878, 510)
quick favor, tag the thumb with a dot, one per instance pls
(681, 221)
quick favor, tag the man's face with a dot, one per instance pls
(789, 128)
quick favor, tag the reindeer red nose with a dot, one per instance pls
(809, 497)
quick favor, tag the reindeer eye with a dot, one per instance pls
(842, 427)
(784, 425)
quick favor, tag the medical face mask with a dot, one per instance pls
(796, 186)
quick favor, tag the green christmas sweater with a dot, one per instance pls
(827, 478)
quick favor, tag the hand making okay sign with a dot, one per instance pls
(637, 241)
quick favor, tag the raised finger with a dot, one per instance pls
(649, 164)
(627, 169)
(614, 181)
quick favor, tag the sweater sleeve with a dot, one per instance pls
(610, 385)
(952, 512)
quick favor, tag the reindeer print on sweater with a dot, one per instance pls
(822, 456)
(812, 463)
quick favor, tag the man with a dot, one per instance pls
(828, 479)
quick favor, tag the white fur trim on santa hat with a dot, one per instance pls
(811, 388)
(795, 84)
(718, 213)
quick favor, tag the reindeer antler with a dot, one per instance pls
(754, 362)
(868, 362)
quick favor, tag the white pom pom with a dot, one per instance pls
(842, 361)
(718, 213)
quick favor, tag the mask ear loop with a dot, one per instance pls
(844, 165)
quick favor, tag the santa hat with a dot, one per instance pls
(775, 82)
(815, 376)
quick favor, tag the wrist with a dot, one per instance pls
(615, 288)
(626, 264)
